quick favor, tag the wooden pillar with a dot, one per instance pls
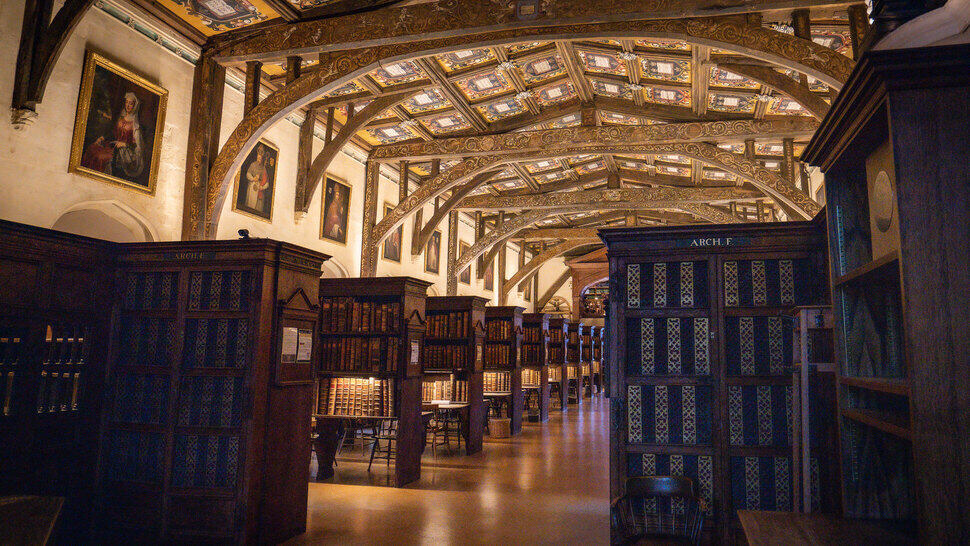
(858, 28)
(788, 160)
(254, 77)
(451, 273)
(587, 116)
(330, 122)
(368, 250)
(749, 148)
(419, 214)
(806, 180)
(613, 180)
(761, 210)
(403, 180)
(294, 68)
(631, 219)
(304, 157)
(479, 233)
(500, 278)
(801, 23)
(205, 118)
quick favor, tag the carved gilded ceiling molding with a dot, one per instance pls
(783, 84)
(526, 141)
(337, 68)
(504, 232)
(606, 199)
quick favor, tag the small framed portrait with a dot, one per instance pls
(432, 253)
(255, 185)
(336, 206)
(527, 293)
(392, 244)
(118, 126)
(465, 277)
(490, 277)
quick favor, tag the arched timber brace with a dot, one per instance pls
(709, 213)
(420, 239)
(553, 288)
(41, 41)
(499, 235)
(543, 257)
(330, 150)
(338, 67)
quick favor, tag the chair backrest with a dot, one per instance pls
(661, 486)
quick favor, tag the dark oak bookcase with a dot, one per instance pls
(535, 364)
(557, 358)
(894, 151)
(454, 345)
(371, 334)
(700, 360)
(575, 332)
(503, 358)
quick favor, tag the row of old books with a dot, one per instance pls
(574, 338)
(499, 356)
(531, 378)
(532, 355)
(555, 374)
(356, 396)
(498, 382)
(571, 372)
(499, 330)
(555, 336)
(354, 315)
(555, 354)
(436, 389)
(449, 325)
(445, 357)
(360, 354)
(533, 335)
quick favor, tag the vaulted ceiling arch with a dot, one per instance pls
(340, 67)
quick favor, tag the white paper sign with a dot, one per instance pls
(304, 346)
(289, 344)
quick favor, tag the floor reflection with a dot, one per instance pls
(549, 484)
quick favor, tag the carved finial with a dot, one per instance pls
(22, 118)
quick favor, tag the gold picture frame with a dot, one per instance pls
(464, 276)
(432, 253)
(387, 247)
(330, 214)
(237, 183)
(114, 123)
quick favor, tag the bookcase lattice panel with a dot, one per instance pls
(667, 285)
(699, 468)
(670, 414)
(669, 346)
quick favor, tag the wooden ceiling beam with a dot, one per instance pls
(451, 92)
(605, 199)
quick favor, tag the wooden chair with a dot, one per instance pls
(658, 510)
(385, 442)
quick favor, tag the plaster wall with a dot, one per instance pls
(36, 187)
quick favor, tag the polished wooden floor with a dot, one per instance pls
(547, 485)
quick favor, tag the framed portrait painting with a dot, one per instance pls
(432, 253)
(336, 206)
(392, 244)
(118, 127)
(252, 194)
(465, 277)
(490, 277)
(527, 293)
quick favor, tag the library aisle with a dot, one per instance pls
(548, 484)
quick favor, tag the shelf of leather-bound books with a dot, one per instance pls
(535, 369)
(371, 334)
(558, 382)
(455, 344)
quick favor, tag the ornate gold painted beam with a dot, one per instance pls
(424, 21)
(783, 84)
(709, 213)
(625, 198)
(500, 234)
(578, 137)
